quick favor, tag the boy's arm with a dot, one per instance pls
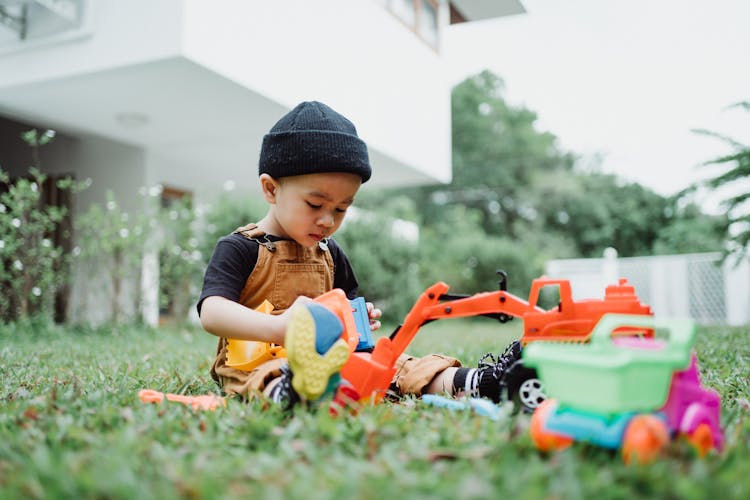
(225, 318)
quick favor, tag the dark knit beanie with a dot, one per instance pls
(313, 138)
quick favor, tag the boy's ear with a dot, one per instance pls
(269, 186)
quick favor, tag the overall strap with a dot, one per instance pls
(253, 232)
(250, 231)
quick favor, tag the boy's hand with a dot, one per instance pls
(373, 314)
(286, 315)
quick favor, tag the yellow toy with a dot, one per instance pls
(247, 354)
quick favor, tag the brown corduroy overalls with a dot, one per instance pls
(280, 276)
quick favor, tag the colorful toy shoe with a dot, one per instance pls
(315, 350)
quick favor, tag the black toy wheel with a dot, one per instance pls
(524, 387)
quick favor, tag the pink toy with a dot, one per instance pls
(693, 410)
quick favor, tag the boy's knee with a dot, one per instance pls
(415, 374)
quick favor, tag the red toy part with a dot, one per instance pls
(644, 439)
(574, 320)
(702, 439)
(371, 372)
(544, 439)
(571, 321)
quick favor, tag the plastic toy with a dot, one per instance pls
(634, 394)
(480, 406)
(204, 402)
(247, 354)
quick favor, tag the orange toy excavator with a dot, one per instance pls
(571, 320)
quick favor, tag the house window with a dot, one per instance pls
(421, 16)
(405, 10)
(171, 196)
(428, 22)
(26, 23)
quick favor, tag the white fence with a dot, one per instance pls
(697, 286)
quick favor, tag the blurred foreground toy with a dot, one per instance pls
(204, 402)
(635, 394)
(480, 406)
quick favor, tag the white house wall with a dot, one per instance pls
(115, 34)
(206, 79)
(387, 80)
(112, 166)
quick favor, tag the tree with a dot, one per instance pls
(737, 170)
(516, 200)
(599, 211)
(498, 155)
(691, 231)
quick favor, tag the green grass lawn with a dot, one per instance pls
(71, 426)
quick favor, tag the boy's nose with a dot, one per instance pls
(326, 220)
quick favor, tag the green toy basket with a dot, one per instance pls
(608, 376)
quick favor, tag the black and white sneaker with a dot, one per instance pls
(283, 393)
(491, 371)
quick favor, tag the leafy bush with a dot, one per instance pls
(223, 216)
(468, 259)
(32, 264)
(181, 263)
(110, 244)
(734, 174)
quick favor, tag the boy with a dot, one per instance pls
(311, 166)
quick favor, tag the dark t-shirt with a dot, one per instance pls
(234, 259)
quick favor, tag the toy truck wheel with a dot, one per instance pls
(701, 439)
(644, 439)
(543, 439)
(525, 388)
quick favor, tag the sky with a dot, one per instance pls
(623, 81)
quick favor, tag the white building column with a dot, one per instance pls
(668, 281)
(610, 267)
(737, 291)
(150, 288)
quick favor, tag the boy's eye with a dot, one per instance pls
(341, 210)
(313, 206)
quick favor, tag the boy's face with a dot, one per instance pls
(309, 208)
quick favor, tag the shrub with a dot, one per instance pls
(223, 216)
(110, 245)
(33, 266)
(181, 262)
(387, 268)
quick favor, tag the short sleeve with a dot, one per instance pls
(233, 259)
(343, 275)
